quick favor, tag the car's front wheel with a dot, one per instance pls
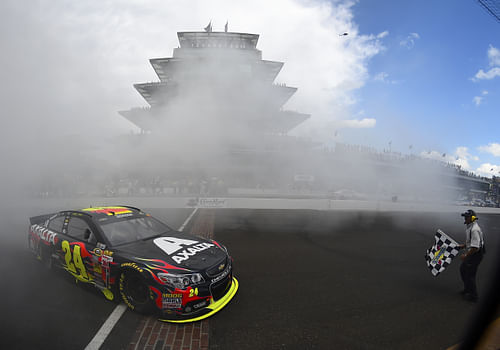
(135, 292)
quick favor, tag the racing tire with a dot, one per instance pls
(135, 292)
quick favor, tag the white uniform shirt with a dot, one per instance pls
(474, 236)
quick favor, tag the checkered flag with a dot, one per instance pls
(440, 255)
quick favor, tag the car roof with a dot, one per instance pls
(108, 211)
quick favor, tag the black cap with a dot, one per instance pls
(469, 212)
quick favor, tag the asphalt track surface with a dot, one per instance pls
(308, 280)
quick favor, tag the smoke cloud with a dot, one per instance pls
(69, 68)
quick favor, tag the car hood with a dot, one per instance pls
(176, 249)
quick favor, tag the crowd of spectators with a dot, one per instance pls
(196, 184)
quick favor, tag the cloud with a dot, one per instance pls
(409, 41)
(494, 56)
(436, 155)
(460, 157)
(463, 152)
(493, 61)
(479, 99)
(492, 148)
(383, 77)
(488, 75)
(108, 46)
(357, 123)
(487, 169)
(382, 35)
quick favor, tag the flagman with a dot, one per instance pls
(471, 258)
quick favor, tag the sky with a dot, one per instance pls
(418, 77)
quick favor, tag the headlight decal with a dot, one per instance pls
(181, 281)
(153, 266)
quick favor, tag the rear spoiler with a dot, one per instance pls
(39, 219)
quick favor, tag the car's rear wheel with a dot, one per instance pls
(135, 292)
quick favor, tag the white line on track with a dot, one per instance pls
(106, 328)
(119, 310)
(187, 220)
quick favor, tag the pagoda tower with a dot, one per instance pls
(216, 110)
(217, 75)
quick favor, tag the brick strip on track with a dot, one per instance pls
(152, 334)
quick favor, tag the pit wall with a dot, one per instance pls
(256, 203)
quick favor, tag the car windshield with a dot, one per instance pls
(133, 229)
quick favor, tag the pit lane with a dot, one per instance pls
(308, 280)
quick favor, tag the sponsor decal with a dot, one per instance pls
(212, 203)
(124, 215)
(207, 202)
(200, 304)
(171, 300)
(131, 265)
(173, 245)
(45, 234)
(191, 251)
(108, 210)
(221, 276)
(172, 295)
(438, 256)
(100, 252)
(105, 260)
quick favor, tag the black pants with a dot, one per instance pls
(468, 271)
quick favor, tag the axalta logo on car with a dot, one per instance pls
(171, 245)
(44, 233)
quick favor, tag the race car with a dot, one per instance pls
(127, 253)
